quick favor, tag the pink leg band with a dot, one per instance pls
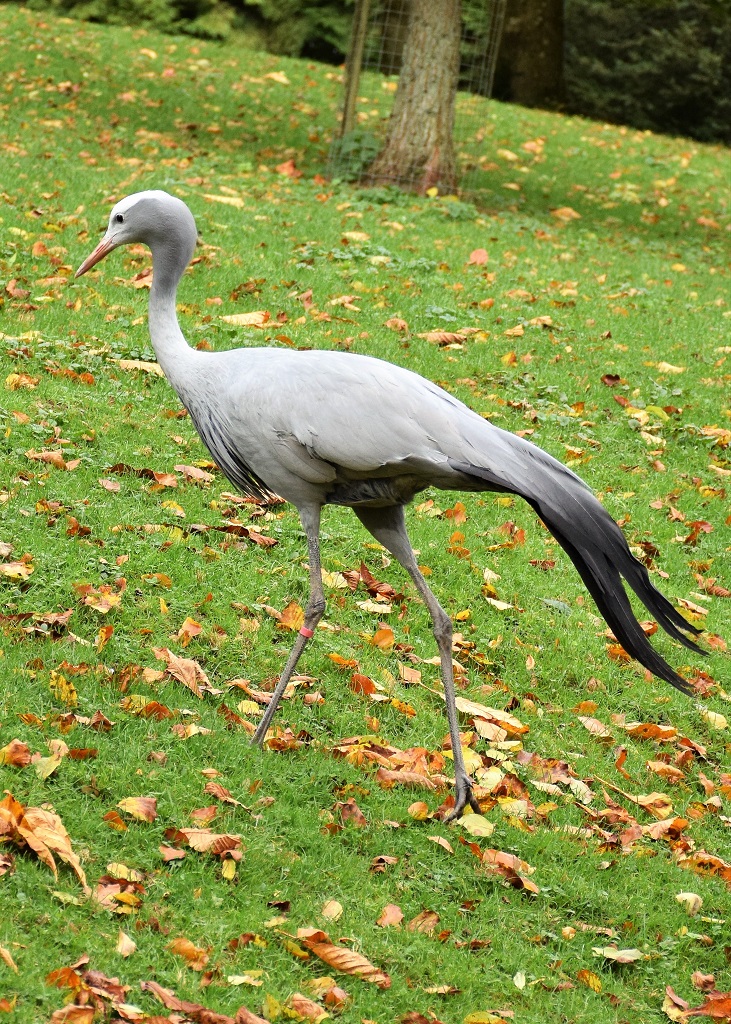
(306, 632)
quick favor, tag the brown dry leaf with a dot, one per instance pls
(73, 1015)
(512, 726)
(169, 853)
(704, 982)
(512, 868)
(383, 638)
(186, 671)
(305, 1008)
(195, 474)
(596, 728)
(658, 804)
(16, 381)
(18, 571)
(196, 1012)
(386, 778)
(703, 863)
(140, 364)
(665, 771)
(195, 956)
(6, 956)
(350, 811)
(425, 922)
(114, 821)
(221, 793)
(341, 958)
(202, 840)
(43, 831)
(143, 808)
(292, 617)
(54, 458)
(15, 753)
(362, 684)
(651, 731)
(391, 916)
(717, 1006)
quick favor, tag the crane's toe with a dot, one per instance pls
(463, 795)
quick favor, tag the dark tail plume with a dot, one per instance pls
(598, 549)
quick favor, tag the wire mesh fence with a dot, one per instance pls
(373, 65)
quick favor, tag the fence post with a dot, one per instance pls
(353, 64)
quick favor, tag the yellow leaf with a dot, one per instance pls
(476, 825)
(332, 910)
(714, 719)
(589, 979)
(125, 945)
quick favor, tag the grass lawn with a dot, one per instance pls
(594, 281)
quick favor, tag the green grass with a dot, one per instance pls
(638, 281)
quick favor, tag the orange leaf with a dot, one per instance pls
(185, 670)
(424, 922)
(717, 1006)
(391, 916)
(292, 616)
(195, 956)
(478, 257)
(15, 753)
(342, 959)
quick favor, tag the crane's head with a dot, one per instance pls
(155, 218)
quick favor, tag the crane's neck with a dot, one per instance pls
(171, 349)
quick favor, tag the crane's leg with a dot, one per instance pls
(388, 526)
(310, 518)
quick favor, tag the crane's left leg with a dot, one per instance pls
(310, 518)
(389, 528)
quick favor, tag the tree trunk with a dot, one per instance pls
(418, 152)
(530, 62)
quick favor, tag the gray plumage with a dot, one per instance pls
(337, 428)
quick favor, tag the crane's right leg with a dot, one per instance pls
(388, 526)
(310, 518)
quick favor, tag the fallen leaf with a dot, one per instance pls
(425, 922)
(143, 808)
(391, 916)
(195, 956)
(332, 910)
(619, 956)
(342, 959)
(125, 945)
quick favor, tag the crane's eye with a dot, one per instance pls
(119, 219)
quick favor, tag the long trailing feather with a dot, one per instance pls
(600, 553)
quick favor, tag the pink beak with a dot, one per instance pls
(103, 249)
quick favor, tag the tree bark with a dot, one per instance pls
(530, 61)
(418, 153)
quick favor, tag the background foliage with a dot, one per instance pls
(664, 65)
(657, 64)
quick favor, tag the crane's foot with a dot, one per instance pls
(463, 795)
